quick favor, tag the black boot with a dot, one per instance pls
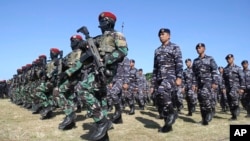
(132, 110)
(248, 112)
(46, 113)
(189, 110)
(68, 122)
(78, 108)
(169, 121)
(101, 130)
(117, 117)
(234, 112)
(36, 108)
(204, 118)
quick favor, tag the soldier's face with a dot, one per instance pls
(200, 50)
(245, 65)
(164, 37)
(230, 60)
(188, 63)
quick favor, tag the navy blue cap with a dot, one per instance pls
(188, 59)
(200, 45)
(229, 56)
(162, 30)
(244, 62)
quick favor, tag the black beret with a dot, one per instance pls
(244, 62)
(162, 30)
(200, 45)
(229, 56)
(140, 70)
(132, 60)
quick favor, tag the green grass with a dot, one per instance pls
(19, 124)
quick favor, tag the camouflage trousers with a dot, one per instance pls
(44, 94)
(65, 97)
(205, 97)
(93, 95)
(232, 97)
(116, 91)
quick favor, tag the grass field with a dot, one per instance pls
(19, 124)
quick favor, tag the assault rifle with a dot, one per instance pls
(92, 52)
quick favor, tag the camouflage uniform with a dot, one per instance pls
(68, 80)
(121, 78)
(133, 87)
(205, 74)
(112, 47)
(44, 92)
(246, 96)
(168, 66)
(233, 81)
(221, 96)
(191, 96)
(141, 85)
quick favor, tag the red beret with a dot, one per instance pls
(19, 70)
(23, 67)
(42, 56)
(107, 14)
(79, 37)
(28, 65)
(55, 50)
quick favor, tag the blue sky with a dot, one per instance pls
(30, 28)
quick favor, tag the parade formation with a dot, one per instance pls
(98, 76)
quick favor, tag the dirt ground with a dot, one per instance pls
(19, 124)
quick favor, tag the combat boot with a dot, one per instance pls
(169, 121)
(68, 122)
(117, 117)
(36, 108)
(101, 130)
(248, 112)
(204, 118)
(46, 113)
(132, 110)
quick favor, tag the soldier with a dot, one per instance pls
(205, 80)
(233, 85)
(167, 75)
(68, 79)
(2, 88)
(112, 48)
(109, 98)
(120, 81)
(191, 96)
(222, 97)
(44, 92)
(139, 96)
(246, 96)
(133, 87)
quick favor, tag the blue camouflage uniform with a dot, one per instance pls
(168, 66)
(205, 74)
(233, 80)
(191, 96)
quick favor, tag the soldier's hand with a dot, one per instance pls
(125, 86)
(240, 91)
(194, 88)
(224, 91)
(178, 81)
(214, 86)
(151, 90)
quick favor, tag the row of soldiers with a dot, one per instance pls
(4, 85)
(94, 72)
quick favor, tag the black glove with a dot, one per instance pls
(63, 76)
